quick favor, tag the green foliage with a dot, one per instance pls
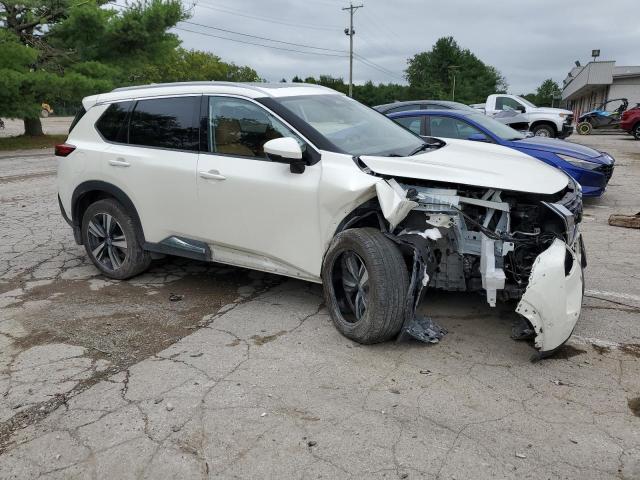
(432, 72)
(546, 93)
(58, 51)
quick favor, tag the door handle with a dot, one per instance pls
(212, 175)
(119, 162)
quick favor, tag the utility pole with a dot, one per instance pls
(350, 32)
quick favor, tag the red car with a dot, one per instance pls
(631, 121)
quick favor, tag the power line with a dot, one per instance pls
(262, 38)
(394, 78)
(270, 20)
(378, 67)
(259, 44)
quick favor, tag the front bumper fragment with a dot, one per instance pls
(553, 298)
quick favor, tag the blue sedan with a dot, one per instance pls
(591, 168)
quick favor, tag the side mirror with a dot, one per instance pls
(521, 109)
(478, 137)
(286, 150)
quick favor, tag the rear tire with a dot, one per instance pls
(584, 128)
(365, 282)
(113, 240)
(544, 131)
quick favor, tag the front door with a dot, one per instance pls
(254, 211)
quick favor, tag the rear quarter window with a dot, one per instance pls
(112, 123)
(80, 113)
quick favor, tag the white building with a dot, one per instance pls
(588, 85)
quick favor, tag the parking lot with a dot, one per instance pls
(206, 371)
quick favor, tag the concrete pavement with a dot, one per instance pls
(246, 377)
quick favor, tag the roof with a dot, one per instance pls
(623, 71)
(388, 106)
(251, 90)
(445, 111)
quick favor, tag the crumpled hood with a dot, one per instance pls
(474, 163)
(560, 146)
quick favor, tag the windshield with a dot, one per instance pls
(501, 130)
(352, 127)
(527, 102)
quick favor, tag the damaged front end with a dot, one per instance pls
(511, 245)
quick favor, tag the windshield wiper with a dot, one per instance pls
(421, 148)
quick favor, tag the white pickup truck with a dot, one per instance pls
(543, 121)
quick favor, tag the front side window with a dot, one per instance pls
(507, 103)
(448, 127)
(166, 123)
(410, 123)
(350, 127)
(240, 127)
(112, 123)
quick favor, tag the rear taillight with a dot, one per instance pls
(64, 149)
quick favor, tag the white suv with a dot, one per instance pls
(302, 181)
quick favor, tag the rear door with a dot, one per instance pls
(153, 159)
(254, 211)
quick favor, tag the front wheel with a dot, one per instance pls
(365, 282)
(544, 131)
(636, 131)
(584, 128)
(111, 239)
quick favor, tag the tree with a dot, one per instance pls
(297, 79)
(546, 92)
(76, 48)
(431, 73)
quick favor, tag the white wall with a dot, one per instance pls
(626, 88)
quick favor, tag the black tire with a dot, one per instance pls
(544, 130)
(584, 128)
(386, 290)
(113, 260)
(636, 131)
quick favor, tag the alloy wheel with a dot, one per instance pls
(107, 241)
(355, 281)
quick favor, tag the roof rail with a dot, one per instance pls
(249, 85)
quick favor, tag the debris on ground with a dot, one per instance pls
(311, 443)
(169, 406)
(174, 297)
(634, 405)
(627, 221)
(520, 455)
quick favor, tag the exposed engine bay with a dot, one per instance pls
(511, 245)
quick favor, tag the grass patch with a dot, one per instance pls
(24, 142)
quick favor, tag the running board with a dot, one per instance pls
(181, 247)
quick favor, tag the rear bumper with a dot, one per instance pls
(76, 228)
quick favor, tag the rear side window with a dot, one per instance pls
(112, 124)
(166, 123)
(77, 118)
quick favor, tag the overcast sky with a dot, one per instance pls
(527, 40)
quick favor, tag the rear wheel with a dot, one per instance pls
(584, 128)
(111, 239)
(365, 285)
(543, 131)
